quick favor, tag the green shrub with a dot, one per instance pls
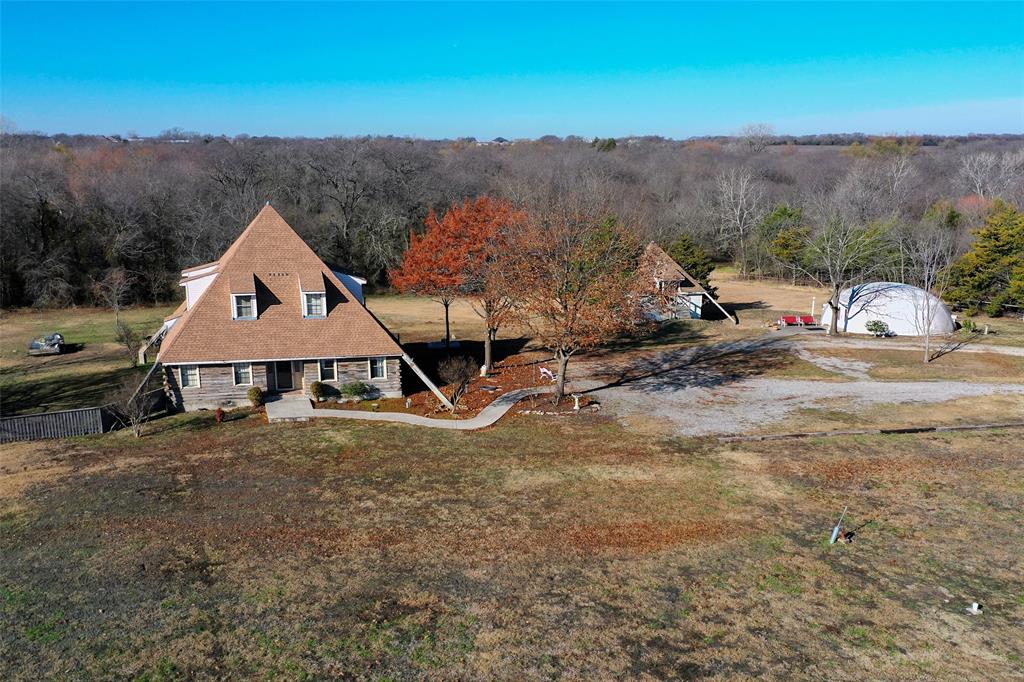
(969, 325)
(356, 389)
(877, 327)
(255, 395)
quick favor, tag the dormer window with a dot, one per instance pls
(314, 304)
(243, 306)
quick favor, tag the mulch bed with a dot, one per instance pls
(512, 373)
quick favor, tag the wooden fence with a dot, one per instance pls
(86, 420)
(62, 424)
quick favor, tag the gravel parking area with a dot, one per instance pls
(718, 389)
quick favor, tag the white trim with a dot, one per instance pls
(369, 368)
(319, 369)
(305, 309)
(181, 374)
(324, 357)
(234, 378)
(234, 307)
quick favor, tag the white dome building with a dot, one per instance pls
(901, 306)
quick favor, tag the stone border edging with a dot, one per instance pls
(488, 416)
(870, 432)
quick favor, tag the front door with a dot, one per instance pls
(283, 371)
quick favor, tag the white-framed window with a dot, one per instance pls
(243, 306)
(314, 304)
(189, 376)
(243, 373)
(378, 368)
(328, 370)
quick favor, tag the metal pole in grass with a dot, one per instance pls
(835, 531)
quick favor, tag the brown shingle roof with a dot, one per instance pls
(665, 268)
(243, 283)
(271, 256)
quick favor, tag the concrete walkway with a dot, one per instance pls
(289, 408)
(292, 409)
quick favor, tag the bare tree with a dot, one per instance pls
(757, 136)
(932, 247)
(113, 290)
(840, 253)
(132, 405)
(901, 176)
(130, 341)
(47, 280)
(740, 206)
(989, 175)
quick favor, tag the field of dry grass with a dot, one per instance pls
(85, 375)
(528, 550)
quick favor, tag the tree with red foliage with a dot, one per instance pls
(455, 257)
(577, 279)
(488, 224)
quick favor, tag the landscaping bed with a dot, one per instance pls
(513, 373)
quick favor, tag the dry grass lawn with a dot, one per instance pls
(534, 549)
(839, 415)
(85, 375)
(419, 319)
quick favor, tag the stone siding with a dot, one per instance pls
(351, 371)
(216, 387)
(216, 382)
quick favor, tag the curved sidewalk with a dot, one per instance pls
(303, 410)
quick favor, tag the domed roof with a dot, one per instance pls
(906, 309)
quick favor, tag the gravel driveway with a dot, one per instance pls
(717, 390)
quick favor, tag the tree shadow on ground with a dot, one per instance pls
(195, 422)
(952, 344)
(428, 358)
(702, 367)
(24, 395)
(747, 305)
(668, 333)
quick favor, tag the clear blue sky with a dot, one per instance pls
(512, 69)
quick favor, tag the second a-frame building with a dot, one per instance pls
(270, 313)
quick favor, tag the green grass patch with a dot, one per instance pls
(46, 632)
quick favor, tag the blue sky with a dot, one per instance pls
(512, 69)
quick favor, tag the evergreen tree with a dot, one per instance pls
(695, 260)
(991, 274)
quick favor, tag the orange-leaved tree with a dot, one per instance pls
(455, 257)
(487, 224)
(577, 279)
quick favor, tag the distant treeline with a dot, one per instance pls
(75, 207)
